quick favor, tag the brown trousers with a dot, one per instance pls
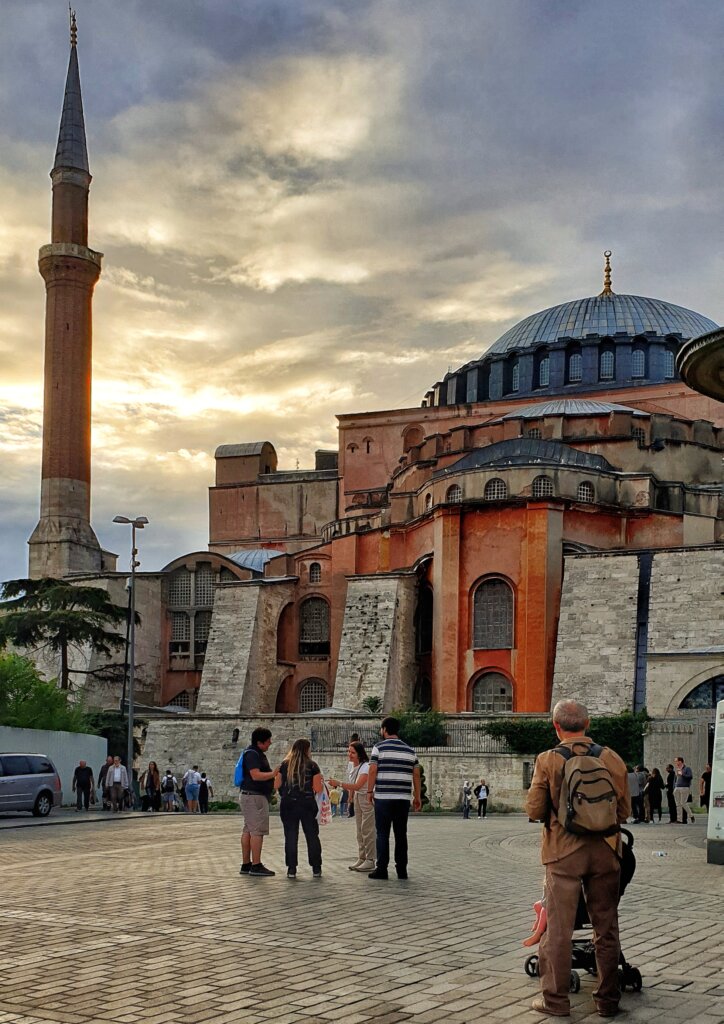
(596, 866)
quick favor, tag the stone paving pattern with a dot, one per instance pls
(147, 920)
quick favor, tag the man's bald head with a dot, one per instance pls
(571, 716)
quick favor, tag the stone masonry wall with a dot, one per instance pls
(686, 611)
(596, 649)
(366, 644)
(180, 742)
(264, 675)
(226, 665)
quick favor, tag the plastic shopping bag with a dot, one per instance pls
(324, 811)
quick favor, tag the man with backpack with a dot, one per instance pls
(580, 791)
(255, 778)
(169, 785)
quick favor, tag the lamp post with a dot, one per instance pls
(136, 524)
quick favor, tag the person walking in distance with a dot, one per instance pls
(82, 785)
(394, 780)
(654, 794)
(670, 782)
(169, 785)
(255, 793)
(579, 849)
(150, 784)
(206, 790)
(682, 789)
(705, 787)
(117, 782)
(299, 781)
(191, 782)
(482, 790)
(467, 798)
(364, 811)
(104, 785)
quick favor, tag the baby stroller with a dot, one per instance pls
(583, 954)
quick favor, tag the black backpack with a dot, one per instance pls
(167, 785)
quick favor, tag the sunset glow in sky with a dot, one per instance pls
(318, 206)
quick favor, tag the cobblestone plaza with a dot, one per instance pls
(147, 920)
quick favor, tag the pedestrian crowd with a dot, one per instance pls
(647, 788)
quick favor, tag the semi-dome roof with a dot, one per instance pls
(603, 315)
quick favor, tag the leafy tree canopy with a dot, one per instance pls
(56, 615)
(29, 702)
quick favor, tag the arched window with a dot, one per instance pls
(313, 696)
(367, 442)
(454, 494)
(639, 434)
(412, 436)
(585, 492)
(638, 362)
(515, 376)
(669, 362)
(179, 588)
(493, 615)
(204, 585)
(511, 375)
(607, 362)
(544, 372)
(574, 364)
(705, 695)
(315, 572)
(314, 626)
(428, 502)
(542, 487)
(352, 447)
(495, 490)
(534, 432)
(492, 694)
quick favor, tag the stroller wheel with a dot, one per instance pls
(636, 981)
(531, 966)
(575, 985)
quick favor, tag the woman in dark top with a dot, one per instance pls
(670, 780)
(705, 787)
(653, 794)
(151, 786)
(298, 782)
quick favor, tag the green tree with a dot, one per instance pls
(373, 705)
(56, 615)
(29, 702)
(422, 728)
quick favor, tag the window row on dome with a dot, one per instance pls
(577, 363)
(496, 489)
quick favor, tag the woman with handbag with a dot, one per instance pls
(299, 781)
(364, 809)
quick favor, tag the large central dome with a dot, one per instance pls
(603, 316)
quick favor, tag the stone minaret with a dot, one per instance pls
(63, 541)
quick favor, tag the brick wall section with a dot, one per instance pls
(228, 652)
(366, 653)
(596, 650)
(686, 612)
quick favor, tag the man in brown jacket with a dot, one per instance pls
(571, 861)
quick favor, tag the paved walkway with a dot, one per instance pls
(147, 920)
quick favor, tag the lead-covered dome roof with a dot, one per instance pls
(602, 315)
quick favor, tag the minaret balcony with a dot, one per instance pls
(78, 252)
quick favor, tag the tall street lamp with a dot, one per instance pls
(136, 524)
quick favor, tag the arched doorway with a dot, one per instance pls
(702, 698)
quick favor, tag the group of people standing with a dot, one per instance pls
(481, 792)
(159, 790)
(647, 788)
(382, 786)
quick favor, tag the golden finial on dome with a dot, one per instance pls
(73, 27)
(607, 275)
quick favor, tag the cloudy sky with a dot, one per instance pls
(318, 206)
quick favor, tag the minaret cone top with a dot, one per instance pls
(72, 150)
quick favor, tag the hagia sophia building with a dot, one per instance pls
(547, 520)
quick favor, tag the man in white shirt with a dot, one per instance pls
(191, 782)
(117, 784)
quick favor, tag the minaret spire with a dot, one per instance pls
(607, 275)
(63, 541)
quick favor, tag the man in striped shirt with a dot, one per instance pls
(394, 780)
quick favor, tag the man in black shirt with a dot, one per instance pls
(82, 785)
(670, 780)
(255, 792)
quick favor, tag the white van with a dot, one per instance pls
(29, 782)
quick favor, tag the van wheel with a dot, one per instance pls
(43, 805)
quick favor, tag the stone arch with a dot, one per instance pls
(412, 436)
(673, 708)
(494, 688)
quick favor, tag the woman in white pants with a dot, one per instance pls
(364, 809)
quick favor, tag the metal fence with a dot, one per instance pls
(465, 737)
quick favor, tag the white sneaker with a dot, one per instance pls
(357, 865)
(366, 866)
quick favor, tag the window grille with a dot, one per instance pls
(640, 436)
(493, 615)
(179, 588)
(314, 626)
(204, 585)
(575, 367)
(181, 700)
(585, 491)
(515, 376)
(495, 490)
(606, 365)
(315, 572)
(544, 372)
(454, 494)
(492, 695)
(535, 433)
(202, 627)
(542, 487)
(180, 626)
(669, 367)
(638, 363)
(313, 696)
